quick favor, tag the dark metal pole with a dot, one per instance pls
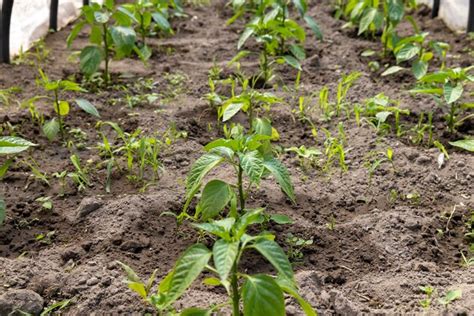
(470, 21)
(5, 18)
(85, 2)
(435, 11)
(53, 15)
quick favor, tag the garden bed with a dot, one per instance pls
(376, 239)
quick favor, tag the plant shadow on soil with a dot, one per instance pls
(373, 261)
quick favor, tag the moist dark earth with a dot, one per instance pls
(383, 245)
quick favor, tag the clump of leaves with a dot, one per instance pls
(379, 108)
(307, 157)
(7, 94)
(447, 87)
(106, 40)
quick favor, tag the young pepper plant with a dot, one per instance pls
(106, 41)
(150, 15)
(249, 155)
(61, 107)
(447, 87)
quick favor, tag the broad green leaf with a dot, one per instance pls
(298, 52)
(292, 61)
(391, 70)
(138, 288)
(419, 69)
(467, 144)
(249, 218)
(437, 77)
(199, 169)
(13, 145)
(314, 26)
(87, 107)
(194, 311)
(124, 38)
(63, 108)
(281, 219)
(51, 129)
(230, 110)
(2, 211)
(290, 289)
(101, 17)
(244, 37)
(276, 256)
(262, 296)
(252, 164)
(262, 126)
(452, 93)
(407, 52)
(301, 6)
(450, 296)
(131, 275)
(282, 176)
(366, 20)
(188, 267)
(224, 254)
(75, 32)
(90, 59)
(215, 196)
(161, 21)
(383, 115)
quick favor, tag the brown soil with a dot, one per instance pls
(373, 261)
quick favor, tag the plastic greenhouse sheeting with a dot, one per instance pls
(30, 20)
(453, 12)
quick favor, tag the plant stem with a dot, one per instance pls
(58, 112)
(235, 291)
(241, 189)
(106, 53)
(451, 117)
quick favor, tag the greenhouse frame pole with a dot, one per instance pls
(5, 18)
(435, 10)
(470, 21)
(53, 15)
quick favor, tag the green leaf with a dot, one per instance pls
(63, 108)
(282, 176)
(281, 219)
(75, 32)
(298, 52)
(101, 17)
(231, 109)
(198, 171)
(419, 69)
(292, 61)
(87, 107)
(188, 267)
(13, 145)
(276, 256)
(4, 167)
(252, 164)
(51, 129)
(391, 70)
(301, 6)
(2, 211)
(244, 37)
(262, 297)
(90, 59)
(124, 38)
(215, 196)
(467, 144)
(366, 20)
(407, 52)
(161, 21)
(450, 297)
(131, 275)
(224, 254)
(452, 93)
(314, 26)
(289, 288)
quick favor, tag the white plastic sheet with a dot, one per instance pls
(453, 12)
(30, 20)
